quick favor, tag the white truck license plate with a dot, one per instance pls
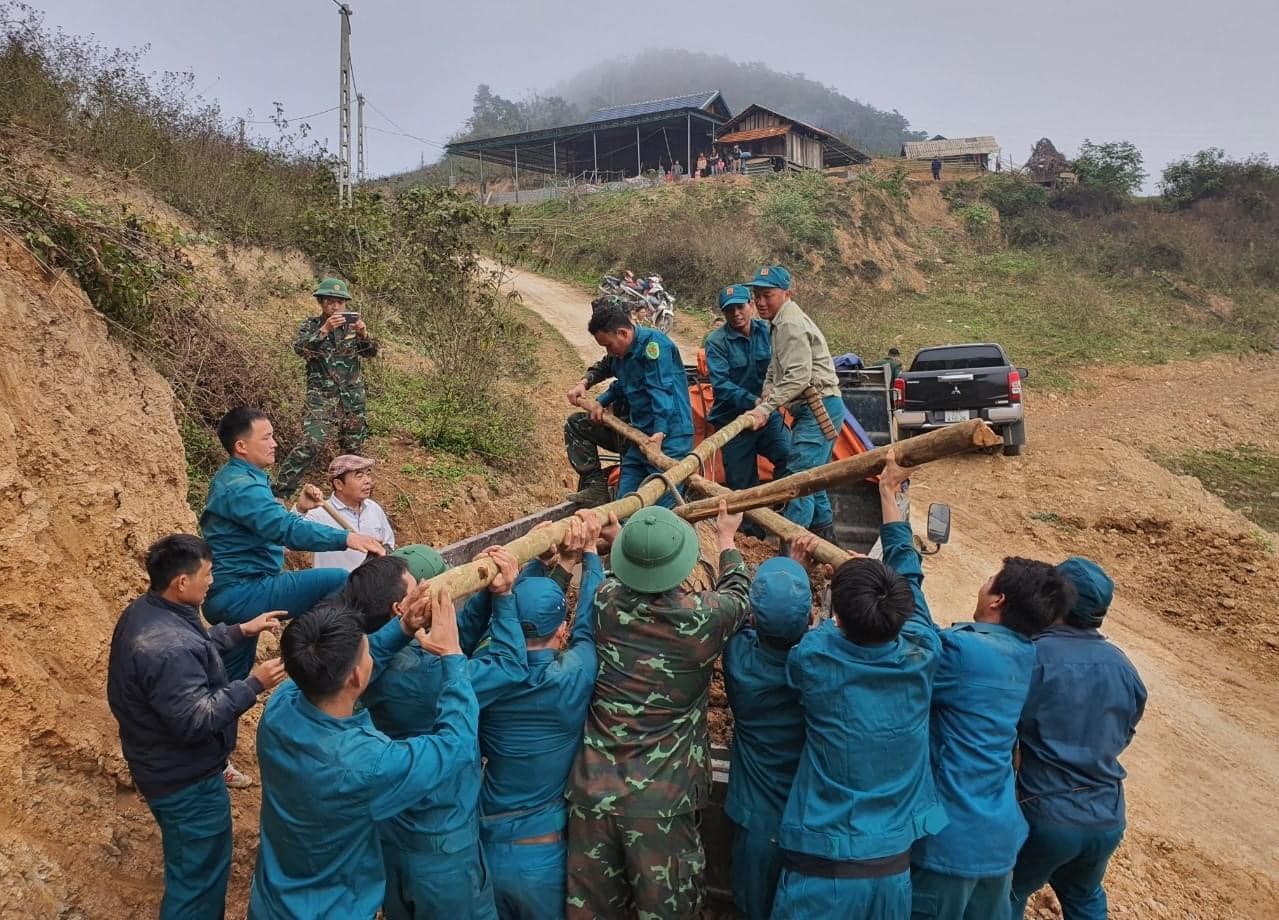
(956, 415)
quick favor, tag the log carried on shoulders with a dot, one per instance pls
(475, 575)
(924, 448)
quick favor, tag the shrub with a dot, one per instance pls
(1115, 168)
(1253, 182)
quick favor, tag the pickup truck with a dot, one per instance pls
(953, 383)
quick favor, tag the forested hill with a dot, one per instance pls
(657, 74)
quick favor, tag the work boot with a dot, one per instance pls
(591, 494)
(825, 531)
(234, 779)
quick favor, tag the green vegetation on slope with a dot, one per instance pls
(1245, 477)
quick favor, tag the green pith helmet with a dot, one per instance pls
(423, 560)
(333, 287)
(655, 551)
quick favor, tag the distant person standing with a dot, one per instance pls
(178, 716)
(936, 168)
(332, 345)
(893, 361)
(701, 165)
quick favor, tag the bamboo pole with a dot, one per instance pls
(825, 551)
(925, 448)
(475, 575)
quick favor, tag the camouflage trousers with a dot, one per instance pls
(323, 410)
(582, 441)
(643, 868)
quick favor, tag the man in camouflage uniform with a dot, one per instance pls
(584, 438)
(634, 846)
(332, 349)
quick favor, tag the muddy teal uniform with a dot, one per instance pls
(644, 767)
(651, 378)
(434, 867)
(977, 700)
(530, 735)
(864, 791)
(738, 364)
(327, 782)
(1081, 713)
(334, 395)
(768, 736)
(584, 438)
(248, 531)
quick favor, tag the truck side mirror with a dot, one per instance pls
(938, 523)
(1024, 372)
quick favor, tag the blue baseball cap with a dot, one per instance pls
(771, 276)
(1093, 587)
(540, 605)
(734, 294)
(781, 599)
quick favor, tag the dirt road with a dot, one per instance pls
(1194, 609)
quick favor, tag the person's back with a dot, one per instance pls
(644, 767)
(864, 791)
(1081, 712)
(767, 736)
(329, 776)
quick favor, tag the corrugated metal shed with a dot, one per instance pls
(674, 103)
(950, 147)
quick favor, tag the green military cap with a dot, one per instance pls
(655, 551)
(423, 560)
(333, 287)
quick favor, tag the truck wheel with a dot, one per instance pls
(1014, 439)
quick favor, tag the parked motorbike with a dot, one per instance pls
(647, 298)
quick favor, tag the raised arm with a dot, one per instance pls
(249, 503)
(898, 542)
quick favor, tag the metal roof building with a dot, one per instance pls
(615, 142)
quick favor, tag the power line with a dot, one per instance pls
(271, 121)
(400, 127)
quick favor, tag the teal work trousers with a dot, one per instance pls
(195, 827)
(951, 897)
(1070, 860)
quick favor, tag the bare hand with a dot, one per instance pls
(333, 321)
(552, 554)
(310, 498)
(365, 544)
(758, 419)
(597, 412)
(592, 527)
(892, 476)
(608, 534)
(576, 393)
(442, 639)
(508, 569)
(574, 543)
(415, 609)
(726, 526)
(655, 440)
(267, 621)
(269, 673)
(360, 329)
(801, 549)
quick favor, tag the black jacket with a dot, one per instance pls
(169, 692)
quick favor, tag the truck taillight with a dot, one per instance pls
(1014, 386)
(899, 392)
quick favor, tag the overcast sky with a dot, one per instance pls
(1171, 77)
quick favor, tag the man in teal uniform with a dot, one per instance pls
(767, 735)
(249, 530)
(977, 699)
(737, 355)
(434, 866)
(644, 767)
(864, 790)
(532, 730)
(329, 776)
(649, 375)
(800, 359)
(1081, 712)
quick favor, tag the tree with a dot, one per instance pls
(1115, 168)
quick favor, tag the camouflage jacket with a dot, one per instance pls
(646, 752)
(332, 361)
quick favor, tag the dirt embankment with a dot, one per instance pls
(91, 471)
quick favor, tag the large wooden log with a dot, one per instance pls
(473, 576)
(924, 448)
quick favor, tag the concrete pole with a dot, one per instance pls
(344, 108)
(359, 137)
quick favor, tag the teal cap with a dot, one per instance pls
(1093, 587)
(771, 276)
(655, 551)
(734, 294)
(781, 599)
(540, 605)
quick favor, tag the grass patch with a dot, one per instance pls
(1245, 477)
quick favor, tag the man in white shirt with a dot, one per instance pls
(352, 480)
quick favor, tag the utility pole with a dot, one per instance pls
(344, 110)
(359, 137)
